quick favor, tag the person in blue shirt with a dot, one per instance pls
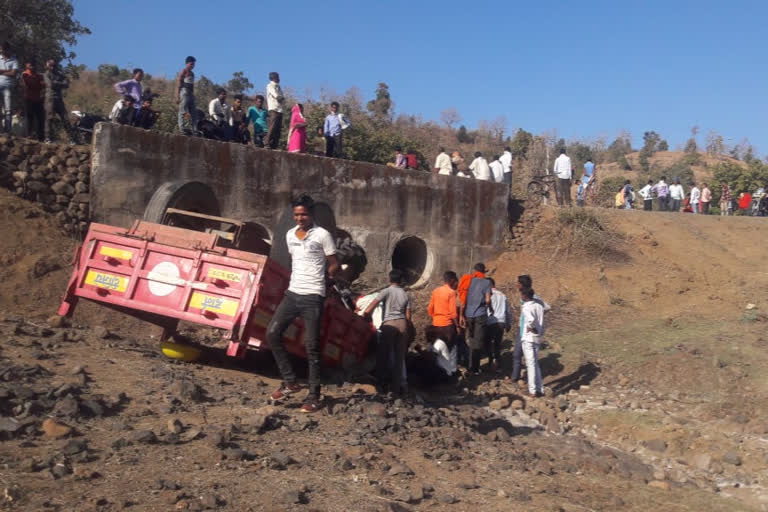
(257, 115)
(587, 181)
(333, 127)
(629, 195)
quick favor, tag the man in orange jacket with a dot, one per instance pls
(443, 309)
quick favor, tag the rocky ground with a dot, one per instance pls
(654, 401)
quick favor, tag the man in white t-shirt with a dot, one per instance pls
(480, 168)
(497, 170)
(311, 247)
(677, 195)
(695, 198)
(506, 161)
(443, 163)
(564, 173)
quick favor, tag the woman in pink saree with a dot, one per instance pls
(297, 134)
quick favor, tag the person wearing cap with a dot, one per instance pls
(475, 309)
(185, 96)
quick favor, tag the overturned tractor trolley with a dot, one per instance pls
(211, 275)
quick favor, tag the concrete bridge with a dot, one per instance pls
(421, 222)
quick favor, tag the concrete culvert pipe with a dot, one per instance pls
(412, 256)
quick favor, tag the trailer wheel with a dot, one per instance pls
(352, 259)
(185, 195)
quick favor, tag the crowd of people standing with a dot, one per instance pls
(42, 93)
(469, 317)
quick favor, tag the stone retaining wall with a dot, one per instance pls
(55, 175)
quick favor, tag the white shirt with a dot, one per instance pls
(308, 258)
(443, 162)
(218, 110)
(506, 161)
(695, 195)
(563, 167)
(676, 192)
(645, 192)
(7, 64)
(446, 359)
(479, 167)
(533, 317)
(501, 312)
(462, 175)
(274, 97)
(116, 108)
(497, 169)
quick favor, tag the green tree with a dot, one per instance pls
(239, 83)
(108, 72)
(663, 146)
(520, 144)
(381, 107)
(650, 142)
(621, 146)
(40, 29)
(741, 178)
(205, 91)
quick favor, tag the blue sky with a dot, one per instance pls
(585, 69)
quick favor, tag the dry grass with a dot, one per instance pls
(580, 233)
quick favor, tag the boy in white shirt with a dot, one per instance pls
(480, 167)
(533, 329)
(647, 194)
(695, 198)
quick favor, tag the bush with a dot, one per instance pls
(607, 189)
(582, 232)
(624, 163)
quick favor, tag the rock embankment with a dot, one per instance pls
(55, 175)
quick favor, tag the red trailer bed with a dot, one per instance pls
(164, 274)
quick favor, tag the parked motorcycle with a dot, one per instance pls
(82, 128)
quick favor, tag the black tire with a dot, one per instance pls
(352, 259)
(536, 192)
(185, 195)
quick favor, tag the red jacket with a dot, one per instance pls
(34, 85)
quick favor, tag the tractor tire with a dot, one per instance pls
(184, 195)
(351, 258)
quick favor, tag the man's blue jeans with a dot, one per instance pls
(310, 308)
(6, 92)
(187, 106)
